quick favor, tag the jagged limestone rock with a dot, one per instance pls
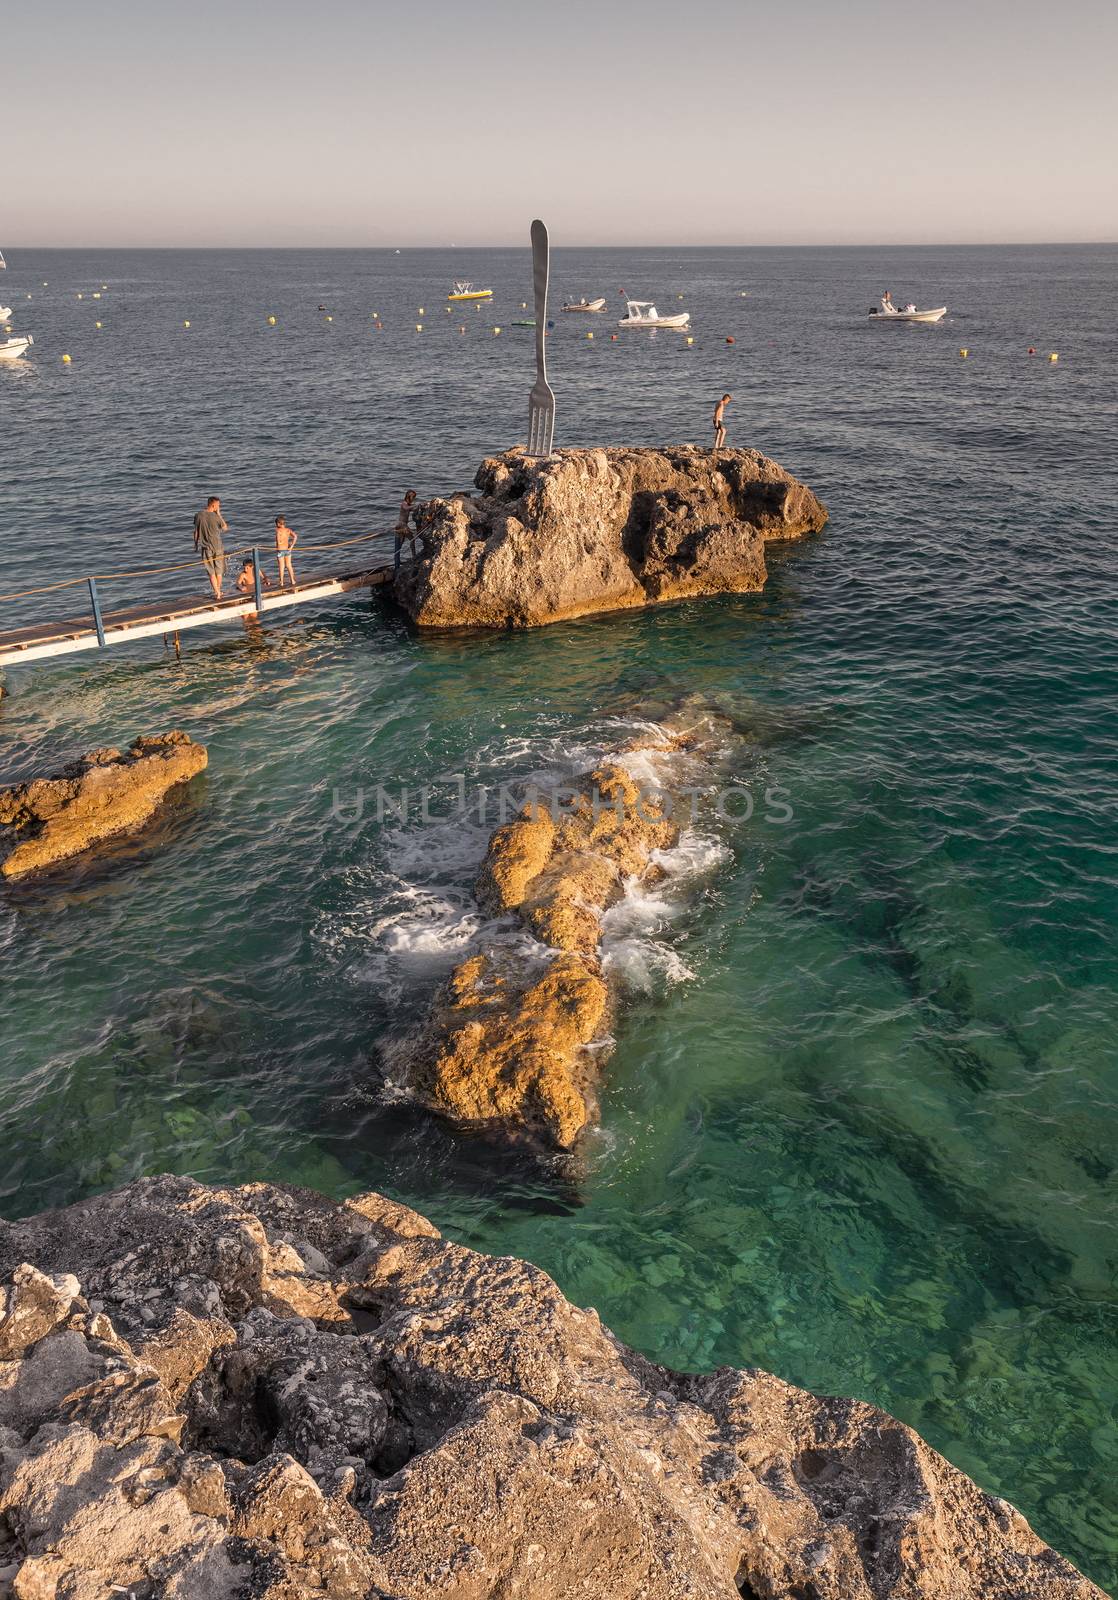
(107, 792)
(257, 1391)
(584, 531)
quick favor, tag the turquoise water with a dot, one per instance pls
(859, 1127)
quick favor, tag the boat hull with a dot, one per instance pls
(474, 294)
(12, 349)
(909, 316)
(587, 305)
(681, 321)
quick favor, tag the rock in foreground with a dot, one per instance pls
(584, 531)
(213, 1394)
(105, 793)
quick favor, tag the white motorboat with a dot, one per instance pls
(5, 313)
(12, 349)
(886, 311)
(585, 305)
(643, 314)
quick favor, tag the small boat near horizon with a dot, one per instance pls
(643, 314)
(584, 305)
(463, 290)
(886, 311)
(12, 349)
(3, 263)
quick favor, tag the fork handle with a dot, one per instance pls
(539, 287)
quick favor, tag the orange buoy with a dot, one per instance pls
(729, 338)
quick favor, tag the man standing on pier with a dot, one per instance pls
(209, 525)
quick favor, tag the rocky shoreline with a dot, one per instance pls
(217, 1394)
(586, 531)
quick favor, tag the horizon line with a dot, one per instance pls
(632, 244)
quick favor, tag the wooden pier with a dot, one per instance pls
(38, 640)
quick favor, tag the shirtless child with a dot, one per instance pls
(246, 583)
(719, 425)
(285, 542)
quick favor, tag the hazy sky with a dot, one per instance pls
(219, 122)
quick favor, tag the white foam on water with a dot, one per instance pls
(638, 931)
(411, 916)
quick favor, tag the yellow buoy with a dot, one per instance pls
(65, 361)
(496, 330)
(186, 324)
(964, 353)
(44, 283)
(419, 327)
(271, 322)
(104, 286)
(1055, 356)
(79, 297)
(329, 319)
(96, 294)
(96, 324)
(422, 311)
(690, 340)
(589, 335)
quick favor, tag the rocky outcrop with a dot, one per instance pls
(583, 531)
(107, 792)
(508, 1044)
(212, 1394)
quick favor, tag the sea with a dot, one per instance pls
(859, 1120)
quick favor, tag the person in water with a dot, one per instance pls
(404, 529)
(246, 583)
(286, 539)
(719, 425)
(209, 525)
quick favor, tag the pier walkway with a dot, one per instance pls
(169, 614)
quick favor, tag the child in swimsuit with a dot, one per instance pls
(719, 425)
(285, 543)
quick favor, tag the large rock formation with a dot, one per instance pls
(214, 1394)
(107, 792)
(509, 1040)
(583, 531)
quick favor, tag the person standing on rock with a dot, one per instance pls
(209, 525)
(719, 425)
(403, 530)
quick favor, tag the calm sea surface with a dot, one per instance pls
(860, 1125)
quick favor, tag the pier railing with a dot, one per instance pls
(95, 595)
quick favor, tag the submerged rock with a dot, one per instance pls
(583, 531)
(256, 1391)
(508, 1043)
(105, 793)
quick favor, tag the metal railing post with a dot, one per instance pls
(96, 604)
(256, 584)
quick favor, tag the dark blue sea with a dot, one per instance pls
(860, 1123)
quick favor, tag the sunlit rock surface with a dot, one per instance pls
(583, 531)
(213, 1394)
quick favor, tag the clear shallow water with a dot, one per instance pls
(860, 1124)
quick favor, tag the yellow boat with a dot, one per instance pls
(466, 291)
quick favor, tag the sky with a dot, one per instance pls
(383, 123)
